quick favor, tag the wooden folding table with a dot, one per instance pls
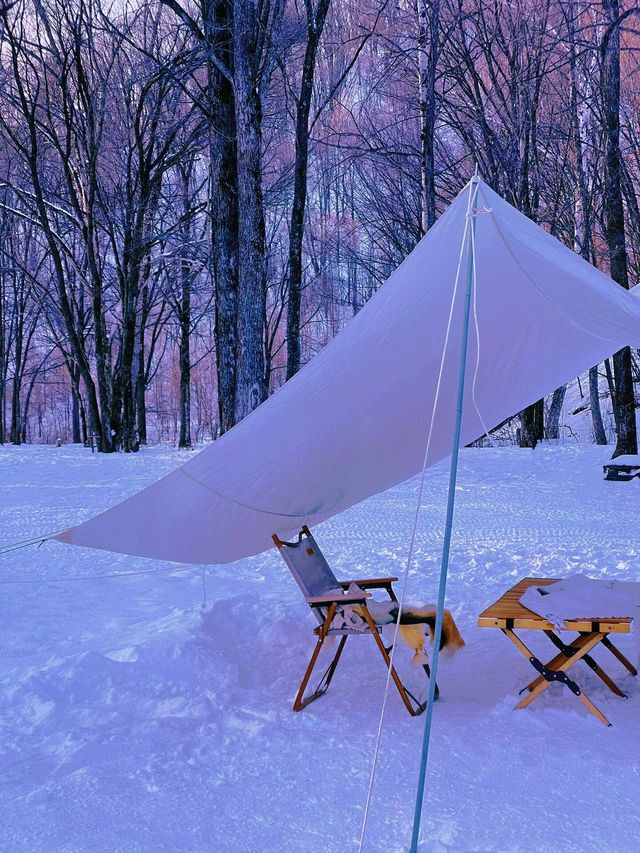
(510, 616)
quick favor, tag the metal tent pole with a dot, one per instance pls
(451, 497)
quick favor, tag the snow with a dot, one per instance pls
(579, 596)
(629, 460)
(134, 719)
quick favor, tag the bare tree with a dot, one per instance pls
(428, 33)
(583, 237)
(624, 400)
(316, 15)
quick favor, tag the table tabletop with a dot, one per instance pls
(508, 613)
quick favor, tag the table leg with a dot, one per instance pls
(557, 668)
(567, 651)
(618, 654)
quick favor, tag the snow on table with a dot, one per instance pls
(579, 596)
(132, 719)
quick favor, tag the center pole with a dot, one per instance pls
(469, 233)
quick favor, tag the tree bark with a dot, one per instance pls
(3, 359)
(582, 217)
(140, 357)
(532, 422)
(428, 29)
(596, 412)
(223, 193)
(76, 404)
(141, 388)
(315, 24)
(624, 402)
(184, 312)
(15, 431)
(552, 430)
(251, 388)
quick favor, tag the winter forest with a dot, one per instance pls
(196, 197)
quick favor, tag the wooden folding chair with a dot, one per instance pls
(325, 595)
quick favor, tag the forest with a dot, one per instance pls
(196, 197)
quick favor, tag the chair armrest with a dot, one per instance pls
(338, 598)
(370, 583)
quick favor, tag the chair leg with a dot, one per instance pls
(427, 669)
(324, 682)
(405, 695)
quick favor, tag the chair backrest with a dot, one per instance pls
(307, 564)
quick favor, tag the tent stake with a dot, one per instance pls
(451, 497)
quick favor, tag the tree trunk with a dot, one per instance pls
(184, 312)
(532, 421)
(251, 387)
(123, 410)
(315, 25)
(624, 402)
(74, 374)
(223, 193)
(24, 421)
(84, 432)
(75, 417)
(15, 432)
(3, 360)
(552, 430)
(123, 406)
(596, 412)
(428, 28)
(584, 241)
(140, 390)
(140, 361)
(185, 375)
(15, 429)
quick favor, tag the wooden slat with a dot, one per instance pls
(508, 607)
(344, 598)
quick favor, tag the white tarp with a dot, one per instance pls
(355, 420)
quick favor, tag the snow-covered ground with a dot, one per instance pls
(133, 718)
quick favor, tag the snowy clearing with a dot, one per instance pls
(134, 719)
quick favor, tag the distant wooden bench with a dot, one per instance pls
(510, 616)
(622, 468)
